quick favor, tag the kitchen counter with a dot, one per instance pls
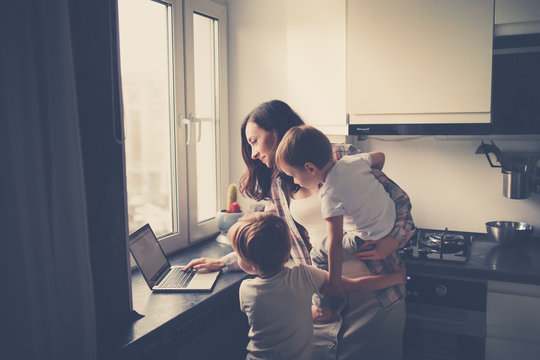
(177, 318)
(488, 260)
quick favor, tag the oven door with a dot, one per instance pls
(446, 319)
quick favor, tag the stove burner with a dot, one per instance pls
(451, 243)
(426, 245)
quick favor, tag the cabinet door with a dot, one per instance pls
(516, 11)
(514, 17)
(316, 73)
(512, 321)
(419, 61)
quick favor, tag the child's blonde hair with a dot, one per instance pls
(262, 239)
(302, 144)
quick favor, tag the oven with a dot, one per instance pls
(446, 314)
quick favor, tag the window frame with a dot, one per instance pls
(187, 231)
(218, 12)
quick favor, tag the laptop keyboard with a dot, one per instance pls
(178, 278)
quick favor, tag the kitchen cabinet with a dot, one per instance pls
(514, 17)
(216, 331)
(316, 74)
(419, 61)
(516, 11)
(512, 321)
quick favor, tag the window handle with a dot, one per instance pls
(198, 129)
(187, 126)
(199, 121)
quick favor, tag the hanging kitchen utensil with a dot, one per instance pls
(518, 173)
(490, 149)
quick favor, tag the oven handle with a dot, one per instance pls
(474, 324)
(461, 321)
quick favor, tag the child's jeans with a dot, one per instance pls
(319, 257)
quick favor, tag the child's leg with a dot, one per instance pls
(324, 306)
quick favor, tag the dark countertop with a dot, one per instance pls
(160, 309)
(489, 261)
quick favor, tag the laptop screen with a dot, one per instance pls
(148, 254)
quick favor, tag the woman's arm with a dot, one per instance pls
(206, 264)
(229, 262)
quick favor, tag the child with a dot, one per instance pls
(277, 301)
(355, 205)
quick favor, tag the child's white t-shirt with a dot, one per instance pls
(351, 190)
(279, 312)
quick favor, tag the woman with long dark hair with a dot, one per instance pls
(367, 324)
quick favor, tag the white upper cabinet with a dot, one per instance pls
(515, 11)
(316, 62)
(517, 17)
(419, 61)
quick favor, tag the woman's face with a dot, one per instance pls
(263, 143)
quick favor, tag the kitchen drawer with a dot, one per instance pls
(513, 311)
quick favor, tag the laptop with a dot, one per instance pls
(158, 272)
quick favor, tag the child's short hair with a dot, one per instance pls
(302, 144)
(262, 239)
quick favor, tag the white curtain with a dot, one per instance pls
(50, 313)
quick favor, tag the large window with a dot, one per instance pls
(174, 89)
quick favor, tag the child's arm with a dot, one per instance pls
(372, 283)
(377, 160)
(335, 253)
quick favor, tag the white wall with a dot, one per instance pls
(257, 65)
(449, 185)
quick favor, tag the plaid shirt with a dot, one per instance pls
(403, 230)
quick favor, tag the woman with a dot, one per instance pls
(371, 325)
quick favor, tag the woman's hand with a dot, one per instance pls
(205, 264)
(383, 248)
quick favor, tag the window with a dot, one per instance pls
(173, 65)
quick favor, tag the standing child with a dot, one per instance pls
(277, 301)
(357, 209)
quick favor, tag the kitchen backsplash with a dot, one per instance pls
(451, 186)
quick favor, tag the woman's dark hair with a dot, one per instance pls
(272, 116)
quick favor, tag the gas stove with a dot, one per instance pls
(440, 245)
(446, 315)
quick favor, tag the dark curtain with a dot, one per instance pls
(95, 48)
(66, 291)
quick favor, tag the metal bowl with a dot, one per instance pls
(509, 232)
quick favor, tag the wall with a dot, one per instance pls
(257, 65)
(450, 186)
